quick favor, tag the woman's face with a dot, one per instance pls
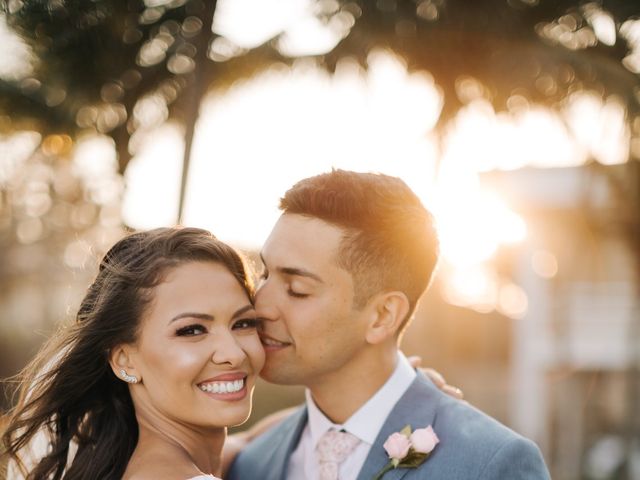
(198, 351)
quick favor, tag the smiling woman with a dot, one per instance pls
(193, 342)
(163, 356)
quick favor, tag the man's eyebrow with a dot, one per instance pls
(206, 316)
(298, 272)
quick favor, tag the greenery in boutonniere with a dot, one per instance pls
(408, 450)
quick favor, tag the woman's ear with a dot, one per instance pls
(122, 363)
(389, 312)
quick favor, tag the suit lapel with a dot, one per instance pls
(417, 407)
(288, 441)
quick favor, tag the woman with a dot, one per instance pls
(163, 356)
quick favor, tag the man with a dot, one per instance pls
(344, 268)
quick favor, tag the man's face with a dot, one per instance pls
(311, 329)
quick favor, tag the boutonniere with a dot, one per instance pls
(408, 450)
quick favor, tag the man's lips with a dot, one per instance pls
(271, 343)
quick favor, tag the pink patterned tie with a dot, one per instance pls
(333, 448)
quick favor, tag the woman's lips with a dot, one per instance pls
(225, 389)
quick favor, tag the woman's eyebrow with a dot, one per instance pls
(206, 316)
(201, 316)
(242, 310)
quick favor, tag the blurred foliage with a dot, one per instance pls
(123, 67)
(98, 59)
(56, 221)
(542, 50)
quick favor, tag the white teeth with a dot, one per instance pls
(223, 387)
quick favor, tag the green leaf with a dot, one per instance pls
(413, 459)
(406, 431)
(387, 467)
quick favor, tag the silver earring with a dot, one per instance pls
(128, 378)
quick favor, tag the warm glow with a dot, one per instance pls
(602, 22)
(16, 58)
(544, 264)
(483, 140)
(512, 301)
(600, 127)
(16, 148)
(263, 134)
(294, 24)
(153, 180)
(630, 30)
(473, 223)
(472, 287)
(250, 23)
(95, 162)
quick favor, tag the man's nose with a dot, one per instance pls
(265, 302)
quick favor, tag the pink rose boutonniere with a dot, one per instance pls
(408, 450)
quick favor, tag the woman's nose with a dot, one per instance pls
(227, 351)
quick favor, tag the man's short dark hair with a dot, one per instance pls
(390, 242)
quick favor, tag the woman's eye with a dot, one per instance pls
(247, 324)
(190, 331)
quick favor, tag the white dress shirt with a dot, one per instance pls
(365, 424)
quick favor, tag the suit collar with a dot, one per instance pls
(417, 407)
(367, 421)
(287, 442)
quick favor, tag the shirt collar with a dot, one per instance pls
(367, 421)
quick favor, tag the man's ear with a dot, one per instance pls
(389, 310)
(122, 362)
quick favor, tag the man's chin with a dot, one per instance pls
(273, 373)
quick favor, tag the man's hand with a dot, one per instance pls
(436, 378)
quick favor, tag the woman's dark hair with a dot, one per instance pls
(69, 389)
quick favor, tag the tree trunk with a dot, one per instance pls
(198, 86)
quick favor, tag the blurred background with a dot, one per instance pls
(516, 121)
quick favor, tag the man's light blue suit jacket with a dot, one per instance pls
(472, 444)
